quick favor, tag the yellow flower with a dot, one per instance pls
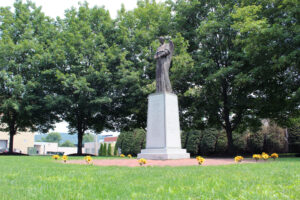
(55, 157)
(65, 158)
(142, 161)
(122, 155)
(256, 156)
(200, 160)
(238, 158)
(88, 159)
(129, 156)
(265, 156)
(274, 155)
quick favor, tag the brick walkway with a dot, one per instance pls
(182, 162)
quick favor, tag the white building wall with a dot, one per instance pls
(46, 148)
(68, 150)
(91, 148)
(22, 141)
(43, 148)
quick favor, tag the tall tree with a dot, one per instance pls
(25, 36)
(245, 63)
(85, 80)
(269, 34)
(220, 93)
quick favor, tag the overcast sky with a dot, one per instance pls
(54, 8)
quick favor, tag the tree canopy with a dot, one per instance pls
(82, 72)
(25, 35)
(235, 63)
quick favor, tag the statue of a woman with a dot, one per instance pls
(163, 57)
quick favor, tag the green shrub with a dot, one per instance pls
(274, 139)
(204, 142)
(109, 150)
(100, 150)
(255, 142)
(270, 138)
(192, 142)
(239, 142)
(208, 142)
(221, 145)
(105, 149)
(131, 142)
(294, 139)
(116, 150)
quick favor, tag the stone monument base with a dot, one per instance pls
(163, 130)
(163, 154)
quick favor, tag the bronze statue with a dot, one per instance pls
(163, 57)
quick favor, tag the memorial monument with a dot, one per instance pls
(163, 130)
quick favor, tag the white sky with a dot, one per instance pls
(61, 127)
(54, 8)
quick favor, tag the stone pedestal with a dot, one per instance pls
(163, 131)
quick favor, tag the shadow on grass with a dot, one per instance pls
(13, 154)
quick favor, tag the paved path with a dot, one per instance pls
(182, 162)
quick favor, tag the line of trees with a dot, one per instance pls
(235, 63)
(56, 138)
(106, 150)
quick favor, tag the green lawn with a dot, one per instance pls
(42, 178)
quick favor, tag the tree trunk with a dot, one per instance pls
(11, 140)
(186, 139)
(230, 149)
(79, 146)
(226, 113)
(80, 132)
(12, 132)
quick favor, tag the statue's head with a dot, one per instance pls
(161, 39)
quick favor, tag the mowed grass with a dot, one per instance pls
(43, 178)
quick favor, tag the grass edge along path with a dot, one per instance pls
(42, 178)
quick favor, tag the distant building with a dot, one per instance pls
(50, 148)
(44, 148)
(23, 141)
(47, 148)
(93, 148)
(111, 140)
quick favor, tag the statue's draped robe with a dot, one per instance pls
(163, 83)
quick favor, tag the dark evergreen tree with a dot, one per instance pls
(109, 150)
(115, 150)
(100, 150)
(104, 150)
